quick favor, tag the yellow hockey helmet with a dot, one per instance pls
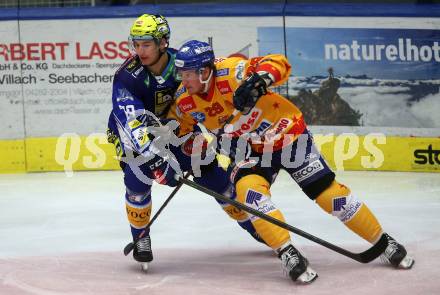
(150, 27)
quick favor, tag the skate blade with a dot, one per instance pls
(406, 262)
(144, 266)
(308, 276)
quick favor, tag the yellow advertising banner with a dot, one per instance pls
(372, 152)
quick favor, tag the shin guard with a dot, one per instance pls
(338, 201)
(253, 190)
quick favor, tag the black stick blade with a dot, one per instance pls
(128, 248)
(375, 251)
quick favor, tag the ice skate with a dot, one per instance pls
(142, 252)
(396, 255)
(296, 266)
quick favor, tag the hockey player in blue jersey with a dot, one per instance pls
(145, 82)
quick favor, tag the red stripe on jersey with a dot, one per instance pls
(270, 69)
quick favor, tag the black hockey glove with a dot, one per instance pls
(248, 93)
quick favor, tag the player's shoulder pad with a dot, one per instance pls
(225, 66)
(131, 68)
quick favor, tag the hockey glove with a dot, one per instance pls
(150, 135)
(162, 172)
(163, 129)
(248, 93)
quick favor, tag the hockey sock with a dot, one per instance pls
(253, 190)
(338, 201)
(138, 209)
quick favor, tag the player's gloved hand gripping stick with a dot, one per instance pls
(250, 90)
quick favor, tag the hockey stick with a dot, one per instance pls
(228, 120)
(367, 256)
(130, 246)
(205, 131)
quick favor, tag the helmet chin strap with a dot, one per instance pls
(206, 82)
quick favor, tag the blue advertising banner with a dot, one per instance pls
(378, 77)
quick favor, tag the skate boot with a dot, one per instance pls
(396, 255)
(142, 252)
(296, 266)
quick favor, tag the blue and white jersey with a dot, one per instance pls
(135, 89)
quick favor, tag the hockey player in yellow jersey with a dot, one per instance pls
(266, 134)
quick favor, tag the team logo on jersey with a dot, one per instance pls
(162, 98)
(222, 72)
(224, 87)
(187, 104)
(239, 70)
(131, 66)
(124, 95)
(198, 116)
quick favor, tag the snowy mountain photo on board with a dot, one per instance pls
(361, 77)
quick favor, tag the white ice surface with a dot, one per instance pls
(61, 235)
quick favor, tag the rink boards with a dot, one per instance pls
(346, 151)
